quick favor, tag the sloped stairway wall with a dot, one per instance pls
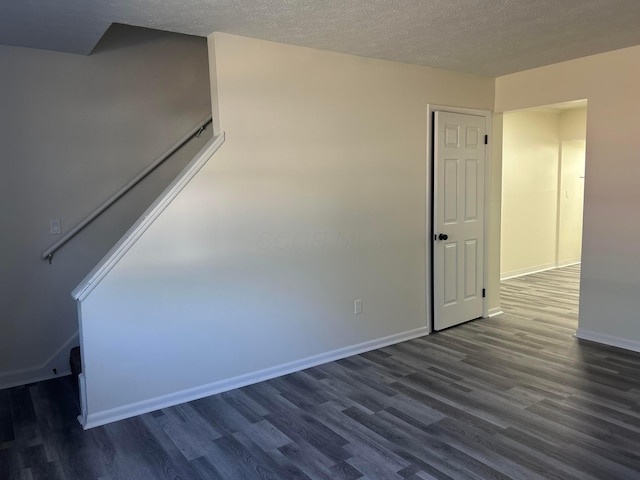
(74, 129)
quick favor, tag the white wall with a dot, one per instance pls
(573, 134)
(573, 124)
(73, 130)
(494, 222)
(316, 198)
(571, 201)
(610, 283)
(542, 192)
(530, 152)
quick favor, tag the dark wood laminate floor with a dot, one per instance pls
(514, 396)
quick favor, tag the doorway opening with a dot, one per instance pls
(543, 175)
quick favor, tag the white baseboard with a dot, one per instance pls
(537, 269)
(126, 411)
(633, 345)
(568, 263)
(59, 361)
(494, 312)
(527, 271)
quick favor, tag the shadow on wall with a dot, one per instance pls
(77, 129)
(119, 36)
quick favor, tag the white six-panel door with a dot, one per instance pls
(458, 218)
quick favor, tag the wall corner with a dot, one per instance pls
(213, 79)
(495, 214)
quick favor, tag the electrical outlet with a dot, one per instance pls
(54, 226)
(357, 306)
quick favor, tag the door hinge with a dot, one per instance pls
(486, 139)
(484, 292)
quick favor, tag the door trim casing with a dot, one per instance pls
(487, 114)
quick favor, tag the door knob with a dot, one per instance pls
(443, 236)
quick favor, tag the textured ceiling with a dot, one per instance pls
(490, 37)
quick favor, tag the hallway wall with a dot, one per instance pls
(571, 201)
(541, 201)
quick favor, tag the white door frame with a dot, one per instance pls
(487, 114)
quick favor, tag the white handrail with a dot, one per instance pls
(48, 254)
